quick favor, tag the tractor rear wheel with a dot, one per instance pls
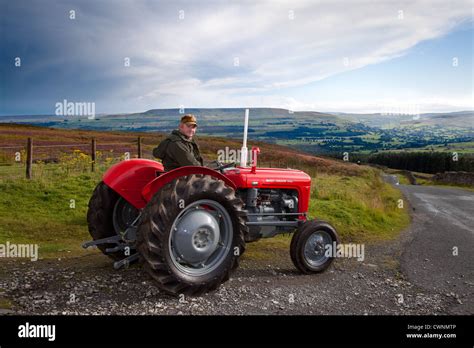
(109, 215)
(308, 246)
(191, 234)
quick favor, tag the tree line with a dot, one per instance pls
(424, 162)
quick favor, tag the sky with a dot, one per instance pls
(337, 56)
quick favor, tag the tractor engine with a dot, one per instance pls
(271, 206)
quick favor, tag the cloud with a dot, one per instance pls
(278, 45)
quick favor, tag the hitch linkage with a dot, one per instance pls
(119, 245)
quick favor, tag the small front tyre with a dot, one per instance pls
(309, 245)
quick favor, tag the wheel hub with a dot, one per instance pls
(318, 245)
(314, 249)
(202, 238)
(196, 236)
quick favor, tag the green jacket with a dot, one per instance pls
(177, 151)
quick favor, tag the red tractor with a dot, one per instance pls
(188, 227)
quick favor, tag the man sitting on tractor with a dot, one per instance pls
(179, 149)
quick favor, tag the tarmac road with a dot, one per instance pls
(440, 254)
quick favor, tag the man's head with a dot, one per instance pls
(188, 125)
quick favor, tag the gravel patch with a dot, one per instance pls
(89, 285)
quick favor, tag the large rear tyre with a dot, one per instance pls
(109, 215)
(191, 234)
(308, 246)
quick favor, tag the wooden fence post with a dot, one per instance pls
(29, 158)
(139, 147)
(93, 153)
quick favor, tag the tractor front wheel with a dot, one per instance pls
(309, 245)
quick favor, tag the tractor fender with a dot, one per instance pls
(151, 188)
(128, 178)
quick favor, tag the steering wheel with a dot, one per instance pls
(221, 166)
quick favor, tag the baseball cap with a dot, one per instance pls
(189, 118)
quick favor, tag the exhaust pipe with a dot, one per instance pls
(244, 150)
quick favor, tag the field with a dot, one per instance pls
(50, 209)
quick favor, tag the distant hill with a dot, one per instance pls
(459, 119)
(309, 131)
(223, 121)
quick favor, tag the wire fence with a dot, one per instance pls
(36, 158)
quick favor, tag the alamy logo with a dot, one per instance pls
(29, 251)
(66, 108)
(227, 155)
(37, 331)
(345, 250)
